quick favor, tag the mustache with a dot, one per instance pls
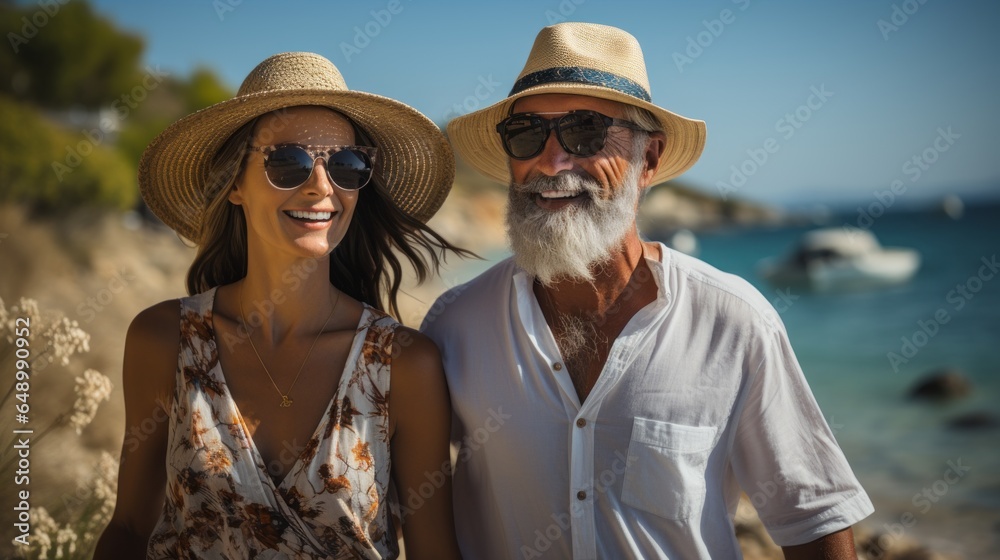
(561, 182)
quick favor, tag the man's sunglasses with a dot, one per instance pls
(288, 166)
(580, 133)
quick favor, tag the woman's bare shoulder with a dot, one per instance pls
(156, 327)
(151, 348)
(414, 351)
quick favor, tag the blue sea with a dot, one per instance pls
(930, 483)
(948, 315)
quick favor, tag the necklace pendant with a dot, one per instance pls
(285, 401)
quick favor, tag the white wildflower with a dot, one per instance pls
(91, 388)
(4, 318)
(66, 537)
(105, 485)
(26, 308)
(53, 337)
(45, 528)
(65, 338)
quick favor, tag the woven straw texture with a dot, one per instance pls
(579, 45)
(414, 156)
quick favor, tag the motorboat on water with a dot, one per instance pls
(835, 259)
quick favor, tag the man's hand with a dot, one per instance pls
(835, 546)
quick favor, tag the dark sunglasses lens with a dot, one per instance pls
(524, 136)
(288, 167)
(349, 169)
(582, 134)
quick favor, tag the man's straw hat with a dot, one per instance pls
(414, 157)
(582, 59)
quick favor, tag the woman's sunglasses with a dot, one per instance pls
(580, 133)
(288, 166)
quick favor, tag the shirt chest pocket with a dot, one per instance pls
(665, 472)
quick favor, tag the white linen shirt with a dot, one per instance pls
(700, 396)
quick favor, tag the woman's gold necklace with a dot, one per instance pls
(285, 401)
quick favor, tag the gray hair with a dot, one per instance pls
(649, 123)
(642, 117)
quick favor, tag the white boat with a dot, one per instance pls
(837, 259)
(953, 207)
(683, 240)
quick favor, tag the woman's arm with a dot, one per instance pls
(420, 420)
(151, 349)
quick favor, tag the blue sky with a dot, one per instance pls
(892, 91)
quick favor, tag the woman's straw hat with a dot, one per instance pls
(582, 59)
(414, 157)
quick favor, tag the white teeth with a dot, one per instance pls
(310, 215)
(559, 194)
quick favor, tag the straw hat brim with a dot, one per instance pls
(414, 156)
(474, 136)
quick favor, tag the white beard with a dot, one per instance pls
(570, 243)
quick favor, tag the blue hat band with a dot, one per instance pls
(575, 74)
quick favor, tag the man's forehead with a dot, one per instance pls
(563, 103)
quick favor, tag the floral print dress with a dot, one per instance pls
(220, 500)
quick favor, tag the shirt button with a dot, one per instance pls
(581, 495)
(580, 422)
(557, 366)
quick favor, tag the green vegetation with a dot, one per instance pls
(67, 64)
(51, 169)
(65, 56)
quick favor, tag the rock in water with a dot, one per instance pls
(979, 420)
(941, 385)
